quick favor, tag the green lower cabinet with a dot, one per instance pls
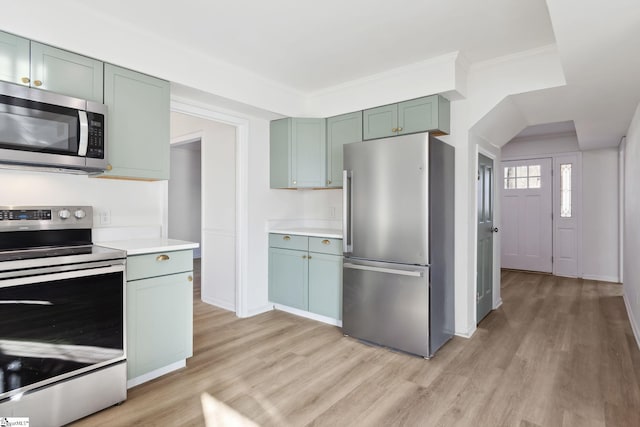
(288, 277)
(325, 285)
(159, 322)
(306, 279)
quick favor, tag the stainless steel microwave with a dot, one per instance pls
(48, 130)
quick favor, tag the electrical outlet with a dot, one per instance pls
(105, 217)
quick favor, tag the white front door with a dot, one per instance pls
(526, 233)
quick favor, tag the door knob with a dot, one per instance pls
(494, 230)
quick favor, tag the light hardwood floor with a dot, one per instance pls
(559, 352)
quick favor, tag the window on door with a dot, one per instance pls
(522, 177)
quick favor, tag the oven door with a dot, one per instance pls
(55, 326)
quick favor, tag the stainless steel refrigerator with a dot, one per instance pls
(399, 242)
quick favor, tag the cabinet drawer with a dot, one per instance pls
(288, 241)
(159, 264)
(325, 245)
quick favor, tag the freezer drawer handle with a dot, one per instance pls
(383, 270)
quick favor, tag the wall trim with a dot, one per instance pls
(309, 315)
(635, 325)
(219, 303)
(260, 310)
(596, 277)
(242, 193)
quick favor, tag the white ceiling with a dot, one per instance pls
(311, 45)
(307, 47)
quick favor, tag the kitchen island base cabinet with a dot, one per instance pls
(305, 273)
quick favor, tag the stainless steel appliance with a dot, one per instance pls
(398, 242)
(62, 334)
(45, 129)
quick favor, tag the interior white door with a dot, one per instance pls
(527, 215)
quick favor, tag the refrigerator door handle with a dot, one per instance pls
(383, 270)
(347, 214)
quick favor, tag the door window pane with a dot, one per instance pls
(565, 190)
(522, 177)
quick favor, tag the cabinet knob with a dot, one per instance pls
(190, 278)
(109, 167)
(25, 80)
(328, 181)
(304, 257)
(399, 129)
(162, 258)
(394, 130)
(326, 242)
(295, 182)
(286, 238)
(38, 83)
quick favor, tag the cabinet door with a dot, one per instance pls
(138, 124)
(14, 59)
(430, 113)
(288, 277)
(280, 153)
(343, 129)
(159, 322)
(325, 285)
(380, 122)
(308, 152)
(65, 72)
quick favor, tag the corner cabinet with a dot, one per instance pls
(305, 273)
(159, 310)
(343, 129)
(137, 124)
(45, 67)
(297, 153)
(427, 114)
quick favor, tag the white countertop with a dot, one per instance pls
(147, 246)
(309, 231)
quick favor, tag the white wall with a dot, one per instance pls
(131, 204)
(631, 224)
(185, 194)
(535, 146)
(600, 215)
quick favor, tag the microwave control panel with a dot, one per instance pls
(95, 148)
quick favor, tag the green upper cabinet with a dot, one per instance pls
(298, 153)
(14, 58)
(45, 67)
(380, 122)
(137, 124)
(427, 114)
(65, 72)
(343, 129)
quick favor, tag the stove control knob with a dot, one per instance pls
(80, 214)
(64, 214)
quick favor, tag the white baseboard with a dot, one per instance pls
(468, 334)
(221, 304)
(259, 310)
(612, 279)
(156, 373)
(497, 306)
(309, 315)
(635, 326)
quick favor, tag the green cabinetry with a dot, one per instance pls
(138, 124)
(306, 273)
(297, 153)
(427, 114)
(343, 129)
(45, 67)
(159, 310)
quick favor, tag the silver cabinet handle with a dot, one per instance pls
(382, 270)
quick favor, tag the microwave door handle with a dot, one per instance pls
(84, 133)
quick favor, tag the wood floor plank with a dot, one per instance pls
(558, 352)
